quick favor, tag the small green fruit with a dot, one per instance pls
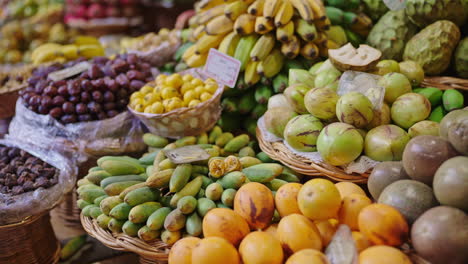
(395, 84)
(437, 114)
(433, 94)
(327, 77)
(387, 66)
(409, 109)
(452, 99)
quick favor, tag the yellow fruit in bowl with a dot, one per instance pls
(139, 108)
(135, 95)
(189, 96)
(174, 80)
(187, 86)
(157, 108)
(149, 99)
(135, 102)
(147, 109)
(173, 103)
(161, 78)
(157, 95)
(146, 89)
(187, 78)
(205, 96)
(194, 103)
(210, 88)
(210, 80)
(199, 90)
(167, 93)
(196, 82)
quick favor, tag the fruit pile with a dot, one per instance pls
(154, 198)
(19, 9)
(307, 121)
(84, 10)
(21, 172)
(20, 38)
(98, 93)
(170, 92)
(426, 32)
(250, 31)
(82, 46)
(151, 40)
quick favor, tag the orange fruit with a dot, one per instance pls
(347, 188)
(261, 247)
(319, 199)
(326, 229)
(383, 255)
(286, 199)
(214, 250)
(296, 232)
(361, 241)
(225, 223)
(272, 229)
(351, 206)
(308, 256)
(255, 203)
(181, 251)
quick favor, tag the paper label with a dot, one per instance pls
(395, 5)
(69, 72)
(187, 154)
(223, 68)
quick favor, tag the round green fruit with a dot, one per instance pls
(425, 127)
(339, 144)
(326, 77)
(395, 84)
(321, 102)
(413, 71)
(381, 117)
(387, 66)
(355, 109)
(451, 183)
(409, 109)
(302, 132)
(385, 143)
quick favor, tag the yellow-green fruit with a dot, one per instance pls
(433, 46)
(355, 109)
(277, 118)
(302, 132)
(395, 84)
(413, 71)
(409, 109)
(385, 143)
(321, 102)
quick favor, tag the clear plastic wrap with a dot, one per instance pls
(113, 136)
(364, 83)
(15, 208)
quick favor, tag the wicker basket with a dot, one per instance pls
(445, 83)
(31, 241)
(155, 252)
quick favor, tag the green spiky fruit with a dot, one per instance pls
(433, 46)
(375, 8)
(391, 33)
(425, 12)
(461, 58)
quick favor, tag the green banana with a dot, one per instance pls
(243, 49)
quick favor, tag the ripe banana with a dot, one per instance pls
(272, 64)
(70, 52)
(229, 44)
(251, 76)
(263, 25)
(245, 24)
(198, 32)
(321, 39)
(323, 25)
(46, 56)
(90, 51)
(243, 49)
(235, 9)
(284, 14)
(248, 2)
(44, 47)
(189, 52)
(219, 25)
(318, 9)
(256, 8)
(207, 4)
(270, 8)
(207, 42)
(310, 51)
(305, 9)
(306, 31)
(211, 13)
(263, 47)
(285, 33)
(291, 49)
(197, 60)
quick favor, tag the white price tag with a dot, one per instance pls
(395, 5)
(69, 72)
(223, 68)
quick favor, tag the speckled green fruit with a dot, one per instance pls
(355, 109)
(391, 33)
(385, 143)
(339, 144)
(425, 12)
(302, 132)
(321, 102)
(409, 109)
(433, 46)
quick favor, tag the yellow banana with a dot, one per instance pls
(251, 75)
(197, 60)
(263, 47)
(207, 4)
(330, 45)
(45, 56)
(310, 51)
(291, 49)
(229, 44)
(189, 52)
(256, 8)
(321, 39)
(248, 2)
(306, 31)
(198, 32)
(284, 14)
(70, 52)
(86, 40)
(44, 47)
(285, 33)
(193, 21)
(219, 25)
(207, 42)
(323, 25)
(305, 9)
(89, 51)
(318, 8)
(235, 9)
(245, 24)
(272, 64)
(211, 13)
(263, 25)
(270, 8)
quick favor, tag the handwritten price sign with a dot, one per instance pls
(395, 4)
(222, 68)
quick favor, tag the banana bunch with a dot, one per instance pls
(83, 46)
(348, 14)
(151, 40)
(261, 34)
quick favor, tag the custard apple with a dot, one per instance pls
(375, 8)
(433, 46)
(461, 58)
(391, 33)
(425, 12)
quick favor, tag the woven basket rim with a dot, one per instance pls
(157, 250)
(279, 151)
(446, 82)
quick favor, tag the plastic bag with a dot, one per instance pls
(15, 208)
(364, 83)
(113, 136)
